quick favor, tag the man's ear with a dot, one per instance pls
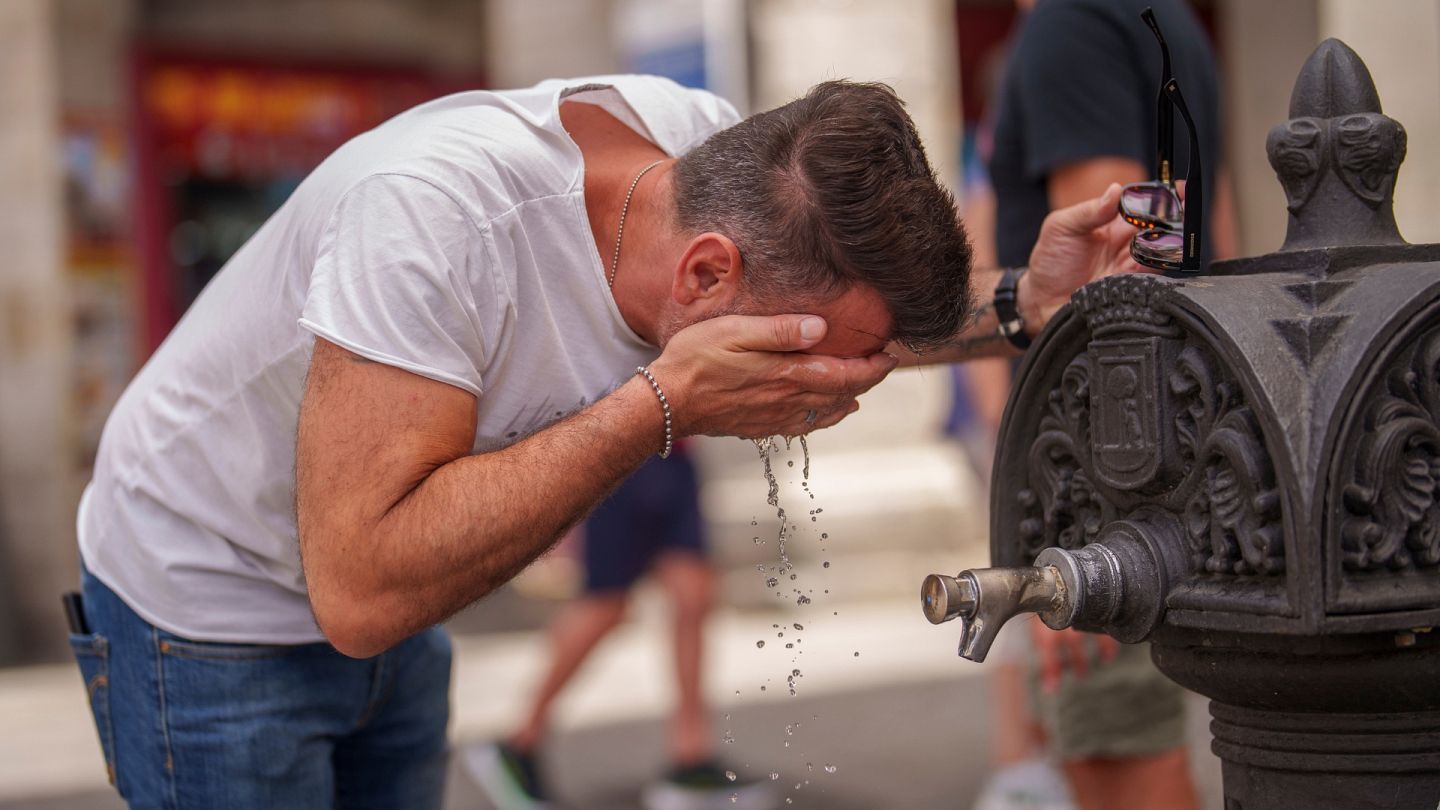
(709, 271)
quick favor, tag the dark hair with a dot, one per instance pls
(831, 190)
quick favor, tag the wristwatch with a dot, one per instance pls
(1007, 310)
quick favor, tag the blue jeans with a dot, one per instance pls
(187, 724)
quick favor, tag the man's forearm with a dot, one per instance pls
(981, 336)
(475, 522)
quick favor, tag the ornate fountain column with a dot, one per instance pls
(1244, 468)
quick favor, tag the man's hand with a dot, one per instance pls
(744, 376)
(1062, 651)
(1077, 245)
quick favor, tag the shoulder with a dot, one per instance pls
(1073, 24)
(678, 117)
(484, 160)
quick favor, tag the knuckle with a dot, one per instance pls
(780, 331)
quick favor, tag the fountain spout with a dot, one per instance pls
(984, 599)
(1115, 586)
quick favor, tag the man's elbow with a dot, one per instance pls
(352, 627)
(356, 620)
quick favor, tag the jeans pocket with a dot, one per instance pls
(177, 647)
(92, 653)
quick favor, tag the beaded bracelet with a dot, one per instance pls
(664, 405)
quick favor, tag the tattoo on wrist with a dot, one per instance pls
(981, 342)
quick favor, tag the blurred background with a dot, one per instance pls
(142, 141)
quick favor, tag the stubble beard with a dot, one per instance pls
(673, 320)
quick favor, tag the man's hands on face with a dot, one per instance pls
(1077, 245)
(742, 375)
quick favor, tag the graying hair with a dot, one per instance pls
(830, 191)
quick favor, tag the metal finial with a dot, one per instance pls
(1338, 155)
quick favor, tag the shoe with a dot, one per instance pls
(707, 786)
(508, 778)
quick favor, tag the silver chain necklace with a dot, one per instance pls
(625, 209)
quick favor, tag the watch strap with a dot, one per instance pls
(1007, 308)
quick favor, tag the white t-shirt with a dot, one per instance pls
(451, 241)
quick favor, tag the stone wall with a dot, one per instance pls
(35, 508)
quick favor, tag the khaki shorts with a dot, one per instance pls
(1123, 708)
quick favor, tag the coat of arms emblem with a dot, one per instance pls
(1125, 440)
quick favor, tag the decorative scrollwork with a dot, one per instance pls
(1392, 502)
(1232, 519)
(1061, 506)
(1099, 445)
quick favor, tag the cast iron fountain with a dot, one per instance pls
(1244, 469)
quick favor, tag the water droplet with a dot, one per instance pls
(762, 688)
(734, 798)
(825, 564)
(824, 536)
(760, 643)
(789, 646)
(790, 463)
(795, 672)
(731, 776)
(793, 576)
(830, 768)
(771, 582)
(857, 653)
(774, 776)
(810, 766)
(799, 626)
(803, 600)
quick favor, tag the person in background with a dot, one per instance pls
(651, 524)
(1076, 112)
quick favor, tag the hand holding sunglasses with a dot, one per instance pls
(1170, 237)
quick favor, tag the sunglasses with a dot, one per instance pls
(1169, 239)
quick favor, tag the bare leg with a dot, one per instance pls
(1158, 782)
(689, 581)
(573, 634)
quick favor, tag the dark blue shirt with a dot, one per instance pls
(1082, 82)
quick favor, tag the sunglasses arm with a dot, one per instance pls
(1194, 183)
(1165, 124)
